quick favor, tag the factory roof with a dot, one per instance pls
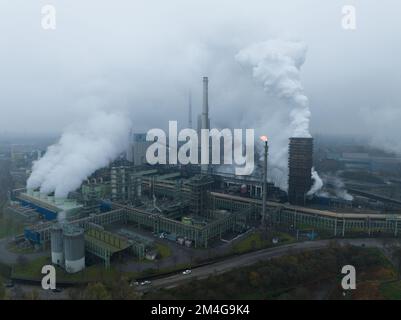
(58, 204)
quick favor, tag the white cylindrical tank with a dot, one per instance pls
(74, 249)
(57, 246)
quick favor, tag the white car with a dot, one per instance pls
(144, 283)
(186, 272)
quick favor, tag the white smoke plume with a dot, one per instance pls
(82, 149)
(339, 189)
(277, 64)
(318, 183)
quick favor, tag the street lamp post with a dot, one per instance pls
(264, 184)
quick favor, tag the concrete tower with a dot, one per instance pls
(300, 169)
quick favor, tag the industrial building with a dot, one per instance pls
(68, 247)
(117, 211)
(74, 248)
(137, 150)
(300, 161)
(47, 206)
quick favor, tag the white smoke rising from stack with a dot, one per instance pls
(277, 64)
(82, 149)
(339, 189)
(318, 183)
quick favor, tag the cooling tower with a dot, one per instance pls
(299, 169)
(74, 249)
(56, 244)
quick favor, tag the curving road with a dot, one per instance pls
(252, 258)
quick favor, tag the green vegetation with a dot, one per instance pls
(10, 227)
(15, 249)
(119, 289)
(391, 290)
(163, 250)
(256, 240)
(96, 291)
(290, 277)
(2, 289)
(32, 270)
(5, 271)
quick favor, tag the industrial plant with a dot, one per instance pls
(126, 208)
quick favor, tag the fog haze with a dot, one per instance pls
(143, 57)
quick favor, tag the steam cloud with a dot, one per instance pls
(82, 149)
(277, 64)
(339, 189)
(318, 183)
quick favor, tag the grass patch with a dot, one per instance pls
(15, 249)
(10, 227)
(391, 290)
(5, 271)
(253, 241)
(32, 270)
(163, 250)
(256, 241)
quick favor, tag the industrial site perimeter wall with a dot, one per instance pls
(339, 224)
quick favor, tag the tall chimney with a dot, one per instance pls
(205, 108)
(205, 122)
(190, 111)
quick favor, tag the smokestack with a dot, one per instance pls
(204, 119)
(190, 111)
(299, 169)
(205, 108)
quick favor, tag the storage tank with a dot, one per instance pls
(74, 249)
(56, 244)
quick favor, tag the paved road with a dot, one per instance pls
(252, 258)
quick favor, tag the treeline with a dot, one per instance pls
(6, 181)
(118, 289)
(268, 280)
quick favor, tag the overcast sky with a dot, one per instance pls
(142, 58)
